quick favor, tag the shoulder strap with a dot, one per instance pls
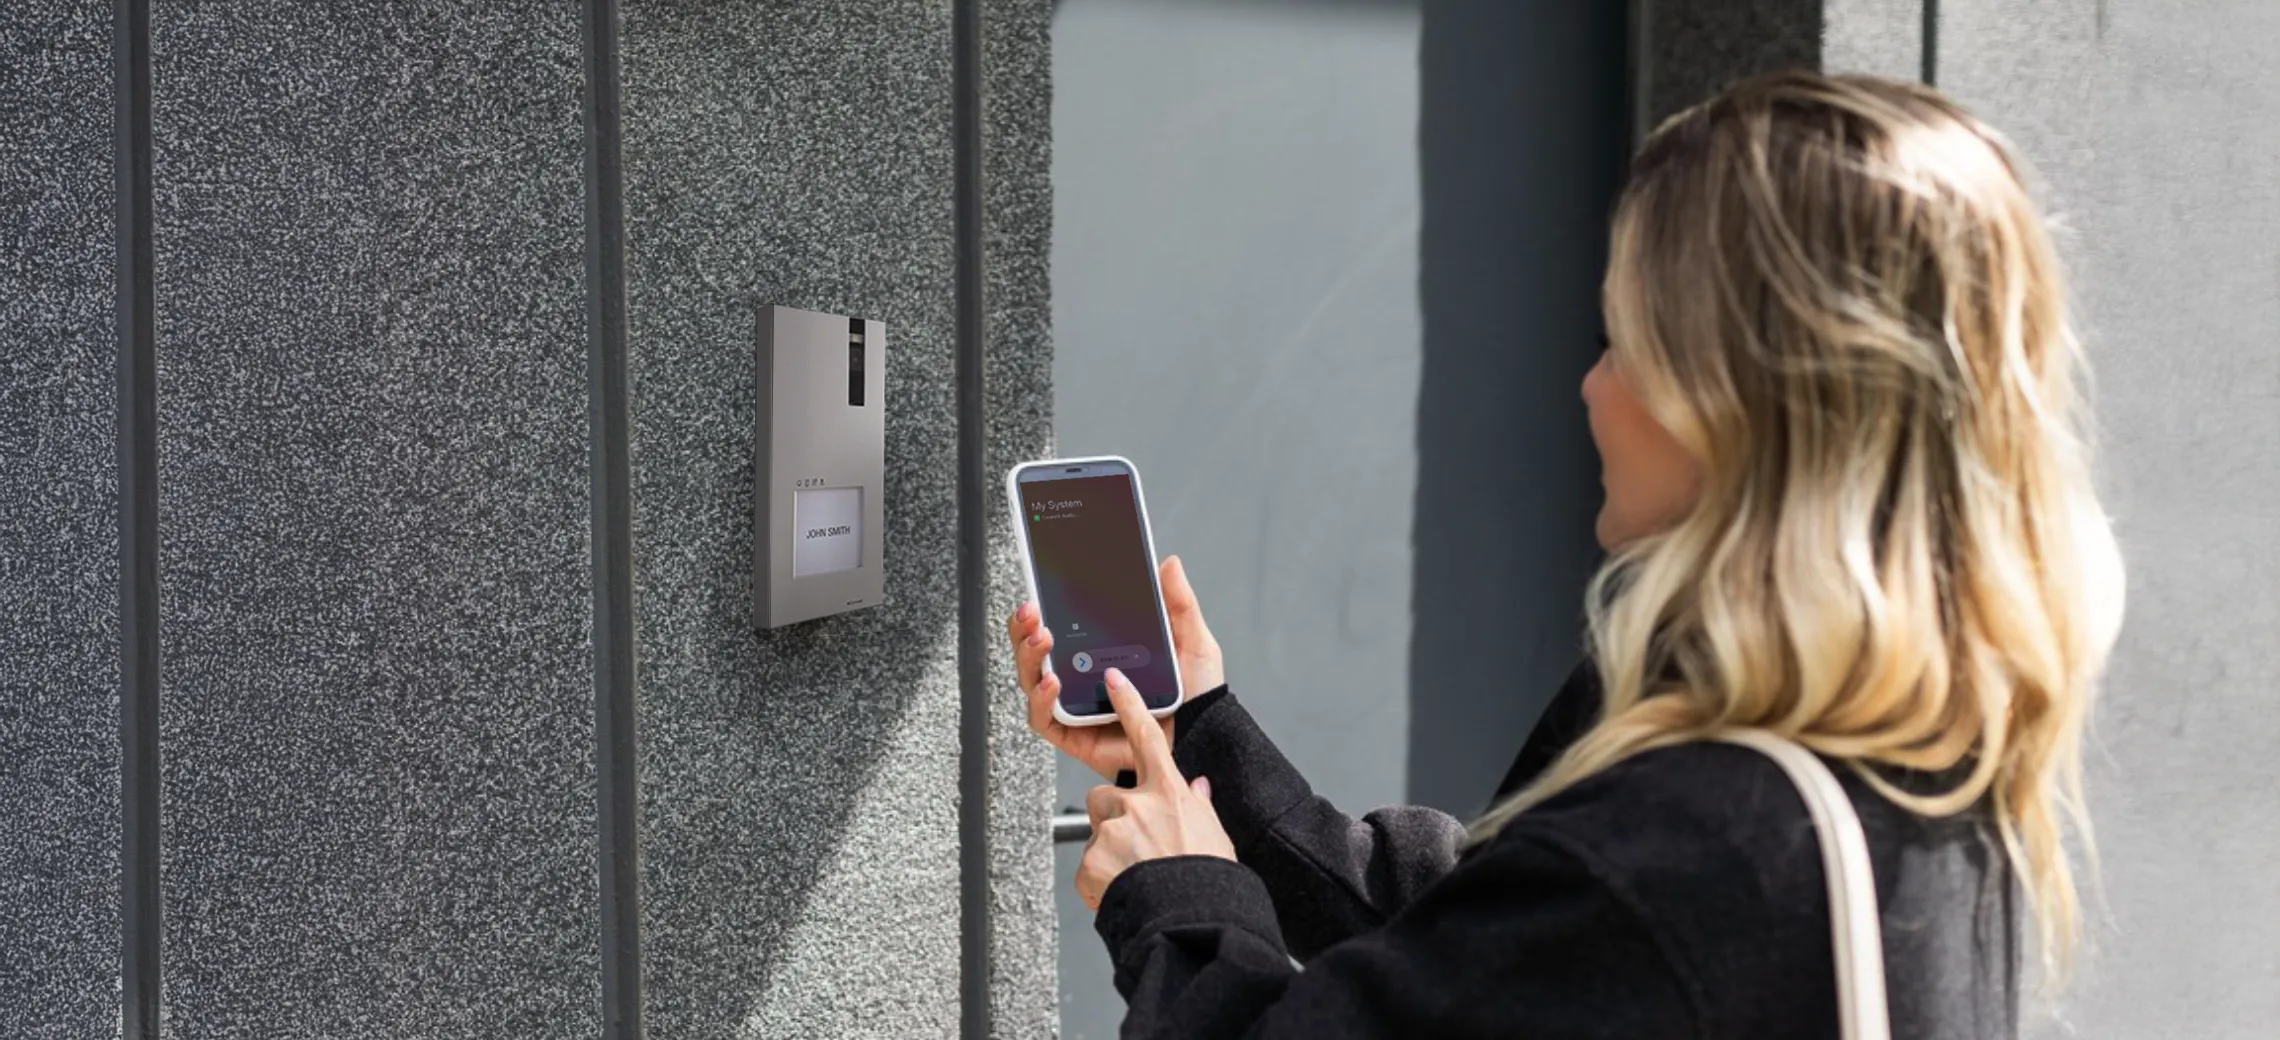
(1856, 932)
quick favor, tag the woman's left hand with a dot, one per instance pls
(1161, 815)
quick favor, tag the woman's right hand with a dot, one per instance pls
(1104, 748)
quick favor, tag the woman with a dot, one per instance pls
(1846, 502)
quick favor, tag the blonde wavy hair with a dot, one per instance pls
(1838, 295)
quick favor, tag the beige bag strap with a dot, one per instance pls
(1857, 934)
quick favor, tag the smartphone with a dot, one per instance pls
(1092, 572)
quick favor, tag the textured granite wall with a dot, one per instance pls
(379, 788)
(1018, 128)
(379, 805)
(1693, 47)
(59, 551)
(799, 786)
(1878, 37)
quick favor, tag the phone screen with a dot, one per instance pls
(1096, 588)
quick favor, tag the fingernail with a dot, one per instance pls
(1202, 786)
(1115, 676)
(1035, 639)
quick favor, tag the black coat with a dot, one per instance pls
(1677, 894)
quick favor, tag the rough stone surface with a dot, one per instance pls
(1695, 47)
(1019, 404)
(377, 721)
(1877, 37)
(799, 786)
(59, 552)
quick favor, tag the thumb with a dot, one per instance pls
(1202, 786)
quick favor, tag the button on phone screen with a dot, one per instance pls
(1096, 589)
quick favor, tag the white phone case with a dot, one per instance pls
(1155, 584)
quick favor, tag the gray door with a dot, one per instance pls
(1327, 272)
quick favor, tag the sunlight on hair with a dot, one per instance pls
(1839, 295)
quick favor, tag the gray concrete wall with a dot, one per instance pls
(376, 702)
(1018, 122)
(59, 548)
(380, 791)
(799, 787)
(2154, 124)
(2150, 124)
(1687, 49)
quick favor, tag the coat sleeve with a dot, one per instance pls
(1523, 940)
(1330, 876)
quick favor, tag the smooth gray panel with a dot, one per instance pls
(2040, 72)
(1522, 143)
(59, 551)
(2154, 124)
(1235, 266)
(377, 693)
(1019, 389)
(799, 786)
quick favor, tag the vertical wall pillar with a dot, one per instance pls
(376, 702)
(406, 536)
(800, 787)
(1017, 112)
(60, 649)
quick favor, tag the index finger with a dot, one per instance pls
(1029, 656)
(1020, 620)
(1151, 753)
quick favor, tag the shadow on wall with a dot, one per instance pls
(1514, 243)
(798, 786)
(1522, 137)
(1693, 48)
